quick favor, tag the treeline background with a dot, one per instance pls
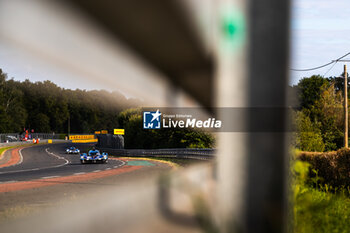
(47, 108)
(137, 137)
(319, 119)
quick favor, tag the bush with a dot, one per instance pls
(333, 168)
(309, 137)
(317, 210)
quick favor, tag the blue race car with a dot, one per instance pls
(72, 150)
(94, 156)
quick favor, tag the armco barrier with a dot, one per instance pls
(29, 142)
(33, 135)
(186, 153)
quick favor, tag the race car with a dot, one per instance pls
(94, 156)
(72, 150)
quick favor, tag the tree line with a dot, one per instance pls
(319, 118)
(47, 108)
(137, 137)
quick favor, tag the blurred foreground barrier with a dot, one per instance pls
(247, 42)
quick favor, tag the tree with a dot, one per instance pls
(12, 111)
(310, 90)
(308, 136)
(41, 123)
(329, 109)
(339, 82)
(321, 104)
(22, 104)
(137, 137)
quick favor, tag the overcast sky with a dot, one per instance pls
(320, 32)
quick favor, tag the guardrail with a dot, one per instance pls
(185, 153)
(17, 143)
(3, 136)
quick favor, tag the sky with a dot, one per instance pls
(320, 32)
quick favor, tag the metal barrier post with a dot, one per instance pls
(251, 166)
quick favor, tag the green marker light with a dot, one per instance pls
(233, 29)
(230, 29)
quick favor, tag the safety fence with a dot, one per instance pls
(185, 153)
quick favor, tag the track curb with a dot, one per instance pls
(173, 166)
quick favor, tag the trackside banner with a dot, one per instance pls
(85, 141)
(81, 137)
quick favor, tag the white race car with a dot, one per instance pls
(72, 150)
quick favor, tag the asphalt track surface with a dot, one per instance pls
(50, 161)
(122, 195)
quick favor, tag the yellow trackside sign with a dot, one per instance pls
(104, 131)
(97, 132)
(85, 140)
(119, 131)
(81, 137)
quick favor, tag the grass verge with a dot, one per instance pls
(178, 161)
(3, 149)
(318, 209)
(181, 162)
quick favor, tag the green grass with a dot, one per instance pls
(182, 162)
(318, 210)
(178, 161)
(2, 149)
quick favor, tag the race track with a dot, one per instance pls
(50, 161)
(41, 184)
